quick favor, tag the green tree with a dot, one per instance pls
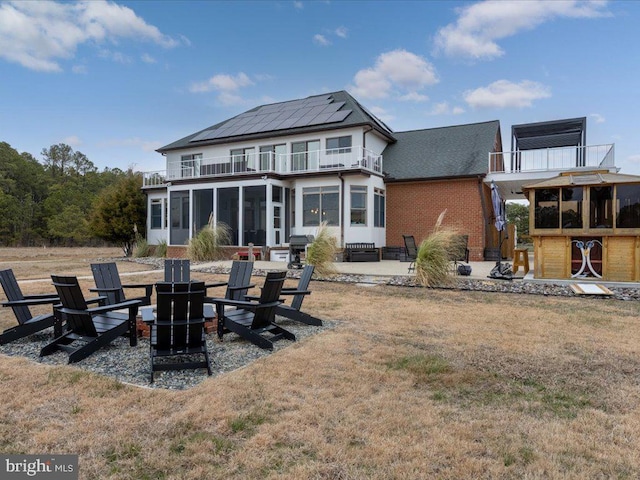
(518, 214)
(24, 186)
(118, 210)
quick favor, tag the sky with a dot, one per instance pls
(117, 80)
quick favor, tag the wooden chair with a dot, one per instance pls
(238, 283)
(108, 284)
(19, 303)
(411, 251)
(178, 327)
(292, 311)
(88, 329)
(177, 270)
(253, 320)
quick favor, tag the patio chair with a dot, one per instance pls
(238, 283)
(108, 284)
(177, 270)
(88, 329)
(292, 311)
(178, 327)
(19, 303)
(411, 251)
(253, 320)
(459, 252)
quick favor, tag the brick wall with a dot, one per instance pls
(413, 209)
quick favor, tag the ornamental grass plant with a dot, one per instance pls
(322, 251)
(208, 242)
(435, 252)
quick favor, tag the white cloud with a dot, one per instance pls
(79, 69)
(117, 57)
(633, 158)
(298, 5)
(321, 40)
(223, 83)
(443, 108)
(505, 94)
(37, 35)
(597, 117)
(480, 25)
(398, 68)
(146, 58)
(341, 32)
(413, 97)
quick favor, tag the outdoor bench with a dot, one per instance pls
(361, 252)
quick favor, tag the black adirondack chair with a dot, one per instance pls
(238, 283)
(292, 310)
(108, 285)
(411, 251)
(178, 327)
(19, 303)
(88, 329)
(177, 270)
(254, 320)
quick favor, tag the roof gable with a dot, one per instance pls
(455, 151)
(319, 112)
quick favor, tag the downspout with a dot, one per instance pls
(341, 219)
(484, 212)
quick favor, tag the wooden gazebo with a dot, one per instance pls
(586, 225)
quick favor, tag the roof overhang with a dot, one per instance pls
(570, 132)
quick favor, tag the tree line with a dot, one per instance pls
(65, 201)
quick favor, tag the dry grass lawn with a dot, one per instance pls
(413, 383)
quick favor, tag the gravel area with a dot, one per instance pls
(132, 365)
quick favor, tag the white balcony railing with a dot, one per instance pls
(562, 158)
(282, 164)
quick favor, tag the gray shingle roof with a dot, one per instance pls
(456, 151)
(355, 113)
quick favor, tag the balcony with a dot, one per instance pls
(263, 163)
(553, 159)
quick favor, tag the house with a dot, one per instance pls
(283, 169)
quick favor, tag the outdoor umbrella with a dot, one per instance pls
(498, 210)
(498, 207)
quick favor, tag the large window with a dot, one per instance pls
(628, 206)
(254, 215)
(305, 155)
(243, 159)
(320, 204)
(202, 208)
(378, 207)
(547, 212)
(339, 145)
(271, 156)
(227, 207)
(572, 207)
(358, 205)
(156, 214)
(601, 207)
(190, 164)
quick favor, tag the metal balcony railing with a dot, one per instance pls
(561, 158)
(268, 162)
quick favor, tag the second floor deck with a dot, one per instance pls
(552, 159)
(268, 162)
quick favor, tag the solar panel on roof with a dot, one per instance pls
(287, 123)
(338, 116)
(279, 116)
(201, 136)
